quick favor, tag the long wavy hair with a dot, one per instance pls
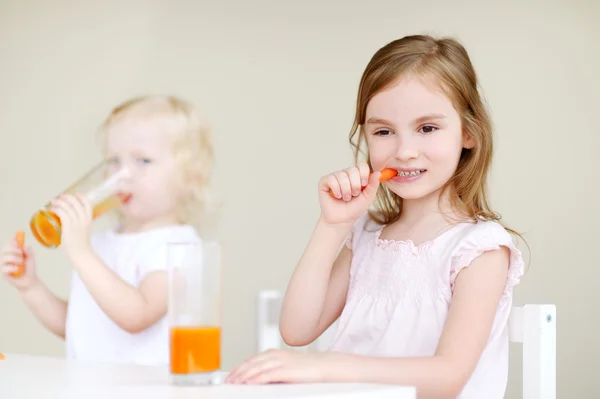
(445, 62)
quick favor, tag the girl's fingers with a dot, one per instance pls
(370, 191)
(255, 369)
(350, 182)
(86, 206)
(277, 375)
(249, 366)
(273, 373)
(355, 181)
(29, 255)
(365, 172)
(76, 207)
(331, 183)
(9, 269)
(13, 259)
(12, 251)
(344, 181)
(66, 205)
(233, 375)
(61, 208)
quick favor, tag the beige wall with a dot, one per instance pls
(278, 83)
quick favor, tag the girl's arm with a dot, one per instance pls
(317, 290)
(133, 309)
(50, 310)
(477, 291)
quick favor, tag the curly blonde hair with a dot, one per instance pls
(192, 147)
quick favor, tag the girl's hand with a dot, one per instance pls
(11, 256)
(75, 213)
(276, 365)
(354, 190)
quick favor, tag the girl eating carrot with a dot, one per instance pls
(423, 284)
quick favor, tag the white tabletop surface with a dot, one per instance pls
(24, 376)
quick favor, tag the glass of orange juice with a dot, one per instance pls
(195, 312)
(102, 186)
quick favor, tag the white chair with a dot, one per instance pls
(534, 326)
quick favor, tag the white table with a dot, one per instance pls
(23, 376)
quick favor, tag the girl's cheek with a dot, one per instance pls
(379, 160)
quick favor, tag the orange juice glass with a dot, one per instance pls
(195, 312)
(102, 186)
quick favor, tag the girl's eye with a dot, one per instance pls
(144, 161)
(383, 132)
(428, 129)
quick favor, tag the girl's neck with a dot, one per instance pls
(423, 219)
(435, 205)
(130, 225)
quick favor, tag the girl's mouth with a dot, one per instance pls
(408, 173)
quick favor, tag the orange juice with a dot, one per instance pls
(46, 227)
(195, 349)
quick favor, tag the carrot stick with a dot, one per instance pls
(2, 356)
(386, 174)
(20, 238)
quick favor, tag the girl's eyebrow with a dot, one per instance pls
(429, 117)
(378, 121)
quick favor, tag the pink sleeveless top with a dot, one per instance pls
(400, 293)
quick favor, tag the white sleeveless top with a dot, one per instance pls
(90, 333)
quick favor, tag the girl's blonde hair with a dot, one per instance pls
(192, 147)
(446, 63)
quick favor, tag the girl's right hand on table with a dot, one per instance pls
(12, 256)
(354, 189)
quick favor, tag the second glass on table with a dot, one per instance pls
(195, 312)
(102, 186)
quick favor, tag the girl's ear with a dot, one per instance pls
(468, 141)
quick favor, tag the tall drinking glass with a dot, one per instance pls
(195, 312)
(101, 185)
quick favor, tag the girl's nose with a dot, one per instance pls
(406, 148)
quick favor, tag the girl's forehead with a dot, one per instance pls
(140, 134)
(409, 98)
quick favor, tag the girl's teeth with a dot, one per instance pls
(411, 173)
